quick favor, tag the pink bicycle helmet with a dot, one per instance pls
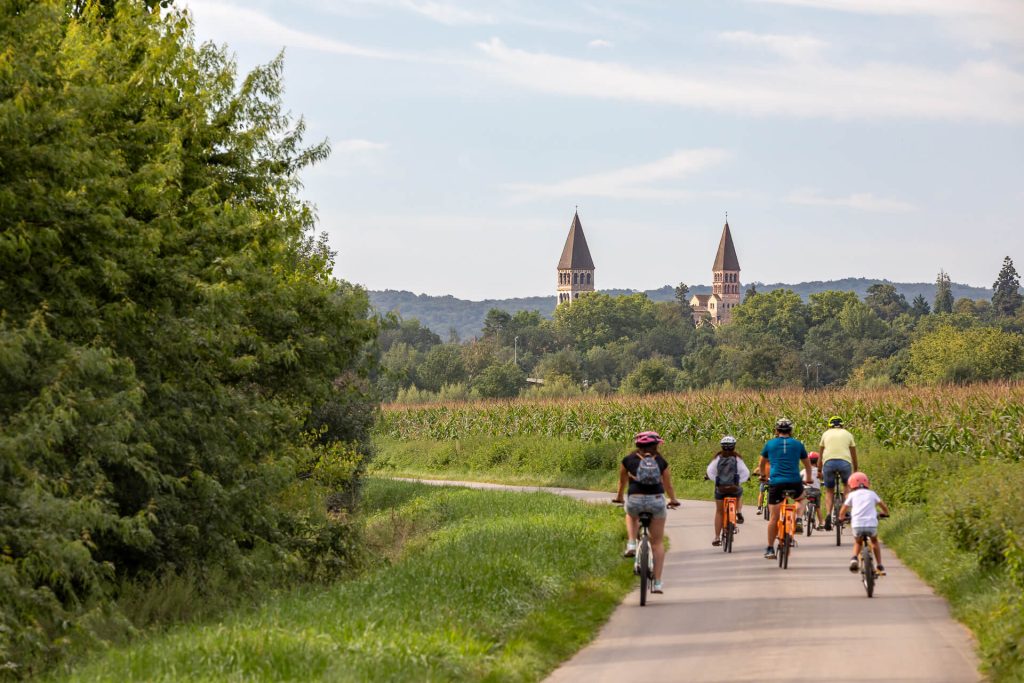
(859, 480)
(813, 456)
(647, 438)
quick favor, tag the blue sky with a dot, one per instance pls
(875, 138)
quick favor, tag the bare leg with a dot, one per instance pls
(773, 523)
(856, 547)
(719, 514)
(877, 547)
(658, 544)
(632, 527)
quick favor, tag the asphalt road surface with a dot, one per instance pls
(738, 617)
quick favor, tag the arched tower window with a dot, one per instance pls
(588, 279)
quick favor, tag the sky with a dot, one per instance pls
(844, 138)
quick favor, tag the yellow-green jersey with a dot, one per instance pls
(835, 445)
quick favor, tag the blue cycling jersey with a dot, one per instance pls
(784, 454)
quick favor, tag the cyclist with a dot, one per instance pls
(646, 497)
(862, 503)
(728, 478)
(814, 488)
(838, 454)
(780, 465)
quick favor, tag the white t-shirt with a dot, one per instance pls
(815, 482)
(862, 504)
(741, 469)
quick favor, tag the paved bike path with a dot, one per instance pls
(738, 617)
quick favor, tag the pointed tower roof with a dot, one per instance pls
(726, 257)
(576, 254)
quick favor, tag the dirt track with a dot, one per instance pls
(739, 617)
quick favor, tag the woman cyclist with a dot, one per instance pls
(645, 495)
(728, 477)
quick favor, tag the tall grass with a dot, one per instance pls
(464, 585)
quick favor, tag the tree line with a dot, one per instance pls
(629, 344)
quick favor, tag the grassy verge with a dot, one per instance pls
(467, 585)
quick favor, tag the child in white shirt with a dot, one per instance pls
(863, 504)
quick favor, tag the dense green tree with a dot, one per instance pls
(682, 295)
(651, 376)
(1006, 296)
(564, 363)
(943, 294)
(599, 318)
(441, 365)
(919, 306)
(170, 336)
(885, 301)
(505, 380)
(408, 331)
(779, 315)
(975, 354)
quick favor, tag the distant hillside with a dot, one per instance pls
(443, 313)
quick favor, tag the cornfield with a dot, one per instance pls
(979, 420)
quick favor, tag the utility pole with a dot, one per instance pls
(515, 350)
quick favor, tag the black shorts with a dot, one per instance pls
(777, 492)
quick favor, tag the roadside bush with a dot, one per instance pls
(981, 510)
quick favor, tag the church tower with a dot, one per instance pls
(575, 268)
(726, 276)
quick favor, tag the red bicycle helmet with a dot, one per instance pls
(647, 438)
(813, 456)
(859, 480)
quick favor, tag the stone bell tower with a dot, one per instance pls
(726, 276)
(575, 268)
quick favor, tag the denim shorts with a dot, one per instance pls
(832, 466)
(871, 531)
(639, 502)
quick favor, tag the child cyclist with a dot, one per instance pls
(728, 471)
(862, 502)
(814, 488)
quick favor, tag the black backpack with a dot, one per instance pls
(728, 478)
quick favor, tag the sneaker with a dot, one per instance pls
(758, 512)
(828, 524)
(854, 566)
(658, 587)
(717, 542)
(739, 517)
(799, 526)
(630, 549)
(880, 570)
(769, 553)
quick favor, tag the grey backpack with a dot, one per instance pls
(647, 472)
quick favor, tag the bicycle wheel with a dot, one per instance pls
(809, 515)
(837, 524)
(643, 554)
(867, 568)
(787, 542)
(767, 511)
(730, 532)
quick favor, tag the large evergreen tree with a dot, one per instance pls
(1006, 296)
(943, 294)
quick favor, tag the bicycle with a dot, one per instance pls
(837, 503)
(728, 522)
(643, 561)
(866, 563)
(762, 501)
(811, 510)
(786, 531)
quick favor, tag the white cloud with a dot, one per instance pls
(358, 145)
(791, 47)
(980, 21)
(600, 42)
(645, 181)
(237, 24)
(864, 201)
(446, 12)
(987, 91)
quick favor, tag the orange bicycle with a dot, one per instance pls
(786, 532)
(729, 504)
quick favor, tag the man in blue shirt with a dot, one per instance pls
(784, 455)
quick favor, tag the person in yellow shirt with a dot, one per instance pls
(838, 454)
